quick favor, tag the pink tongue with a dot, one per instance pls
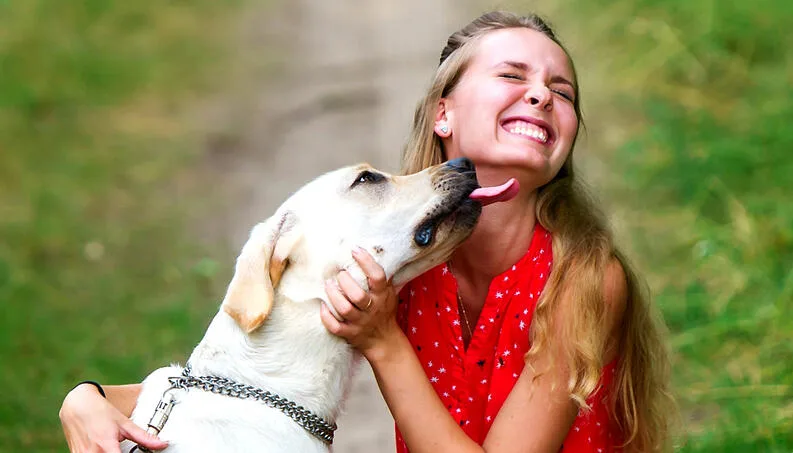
(504, 192)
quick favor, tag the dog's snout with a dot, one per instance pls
(461, 164)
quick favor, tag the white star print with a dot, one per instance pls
(506, 279)
(489, 397)
(522, 325)
(515, 345)
(484, 381)
(458, 410)
(414, 330)
(435, 344)
(488, 418)
(514, 267)
(446, 394)
(448, 309)
(441, 370)
(542, 275)
(454, 387)
(517, 293)
(506, 353)
(456, 322)
(499, 295)
(412, 293)
(429, 364)
(482, 327)
(526, 311)
(445, 270)
(531, 296)
(514, 375)
(491, 320)
(470, 399)
(542, 251)
(419, 312)
(434, 379)
(424, 288)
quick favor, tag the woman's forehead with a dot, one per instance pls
(523, 46)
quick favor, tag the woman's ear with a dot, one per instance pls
(443, 128)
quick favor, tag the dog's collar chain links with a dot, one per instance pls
(311, 422)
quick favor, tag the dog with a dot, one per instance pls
(268, 335)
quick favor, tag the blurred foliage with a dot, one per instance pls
(700, 175)
(95, 264)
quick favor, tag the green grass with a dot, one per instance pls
(690, 112)
(98, 277)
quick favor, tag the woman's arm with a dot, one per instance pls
(427, 426)
(94, 423)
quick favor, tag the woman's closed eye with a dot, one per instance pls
(564, 94)
(511, 75)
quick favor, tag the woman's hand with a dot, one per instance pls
(368, 318)
(92, 424)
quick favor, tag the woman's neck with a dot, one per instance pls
(499, 240)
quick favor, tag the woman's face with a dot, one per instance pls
(512, 109)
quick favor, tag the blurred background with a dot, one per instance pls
(140, 140)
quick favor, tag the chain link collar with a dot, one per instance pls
(311, 422)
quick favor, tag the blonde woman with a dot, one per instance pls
(535, 336)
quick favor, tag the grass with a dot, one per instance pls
(97, 276)
(690, 111)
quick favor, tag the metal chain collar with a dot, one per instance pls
(311, 422)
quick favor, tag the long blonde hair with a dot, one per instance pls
(583, 246)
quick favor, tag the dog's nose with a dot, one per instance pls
(461, 164)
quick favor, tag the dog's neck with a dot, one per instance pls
(291, 354)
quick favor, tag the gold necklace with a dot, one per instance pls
(461, 306)
(465, 315)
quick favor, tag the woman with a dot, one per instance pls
(535, 335)
(536, 321)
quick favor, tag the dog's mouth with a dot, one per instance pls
(463, 207)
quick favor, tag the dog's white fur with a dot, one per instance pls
(279, 278)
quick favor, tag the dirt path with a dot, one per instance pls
(352, 74)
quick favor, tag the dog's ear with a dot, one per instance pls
(264, 257)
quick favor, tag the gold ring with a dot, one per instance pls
(369, 304)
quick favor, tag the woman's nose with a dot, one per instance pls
(539, 97)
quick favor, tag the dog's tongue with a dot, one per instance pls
(504, 192)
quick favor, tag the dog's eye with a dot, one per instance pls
(367, 177)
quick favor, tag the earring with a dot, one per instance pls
(444, 128)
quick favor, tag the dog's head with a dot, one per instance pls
(409, 224)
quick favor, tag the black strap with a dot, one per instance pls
(95, 384)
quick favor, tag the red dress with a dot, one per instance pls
(474, 383)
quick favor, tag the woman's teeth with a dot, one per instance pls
(531, 131)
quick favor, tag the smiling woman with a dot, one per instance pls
(559, 335)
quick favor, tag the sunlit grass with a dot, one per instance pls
(98, 276)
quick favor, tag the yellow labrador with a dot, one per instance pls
(267, 376)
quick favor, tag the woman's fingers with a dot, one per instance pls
(354, 293)
(374, 273)
(344, 308)
(334, 326)
(135, 433)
